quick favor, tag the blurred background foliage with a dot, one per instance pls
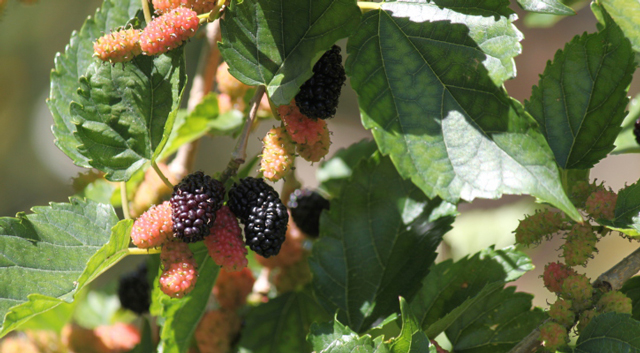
(34, 172)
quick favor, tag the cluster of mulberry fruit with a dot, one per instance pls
(164, 33)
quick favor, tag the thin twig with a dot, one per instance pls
(161, 175)
(239, 154)
(203, 83)
(613, 279)
(124, 200)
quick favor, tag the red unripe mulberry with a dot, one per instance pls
(233, 287)
(169, 31)
(301, 128)
(154, 227)
(533, 228)
(180, 273)
(553, 335)
(119, 46)
(554, 275)
(601, 204)
(199, 6)
(225, 244)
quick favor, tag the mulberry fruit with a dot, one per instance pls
(561, 312)
(578, 289)
(579, 245)
(301, 129)
(306, 206)
(315, 152)
(227, 84)
(291, 251)
(614, 301)
(601, 204)
(199, 6)
(532, 229)
(119, 46)
(585, 319)
(154, 227)
(277, 154)
(194, 203)
(225, 244)
(554, 275)
(168, 31)
(232, 288)
(553, 335)
(318, 96)
(264, 216)
(179, 272)
(119, 337)
(134, 291)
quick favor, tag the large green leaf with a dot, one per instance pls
(376, 243)
(276, 43)
(627, 213)
(496, 323)
(73, 64)
(626, 13)
(180, 317)
(553, 7)
(610, 333)
(334, 337)
(429, 81)
(450, 288)
(124, 113)
(48, 256)
(336, 170)
(411, 338)
(581, 97)
(281, 324)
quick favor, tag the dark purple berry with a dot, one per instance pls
(134, 290)
(194, 203)
(318, 96)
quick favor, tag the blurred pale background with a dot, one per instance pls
(34, 172)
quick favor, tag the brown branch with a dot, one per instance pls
(239, 154)
(613, 279)
(203, 83)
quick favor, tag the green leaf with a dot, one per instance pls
(146, 344)
(553, 7)
(73, 64)
(626, 141)
(610, 333)
(181, 316)
(48, 256)
(281, 324)
(276, 43)
(627, 213)
(626, 14)
(581, 97)
(451, 285)
(205, 118)
(376, 243)
(429, 87)
(124, 113)
(333, 172)
(337, 338)
(542, 20)
(411, 338)
(495, 323)
(631, 289)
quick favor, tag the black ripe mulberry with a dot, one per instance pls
(194, 203)
(264, 216)
(134, 290)
(636, 131)
(305, 207)
(318, 96)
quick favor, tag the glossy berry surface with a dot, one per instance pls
(318, 96)
(194, 203)
(169, 31)
(263, 214)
